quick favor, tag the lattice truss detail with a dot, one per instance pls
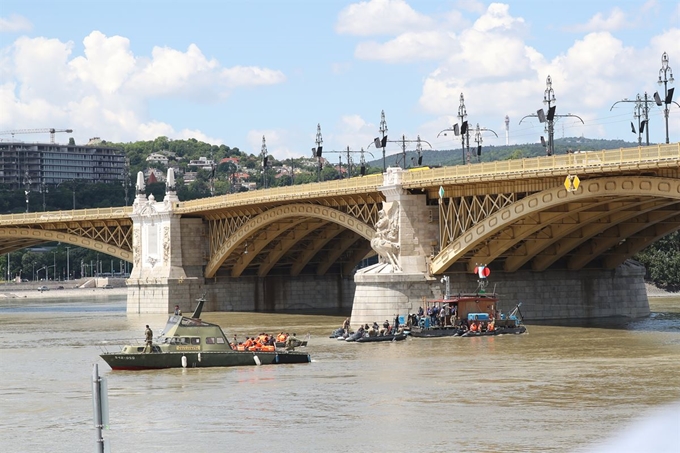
(364, 207)
(114, 233)
(222, 228)
(458, 214)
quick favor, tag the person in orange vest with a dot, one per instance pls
(474, 327)
(248, 343)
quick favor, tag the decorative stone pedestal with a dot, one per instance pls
(382, 296)
(159, 279)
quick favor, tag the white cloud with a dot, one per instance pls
(106, 90)
(616, 20)
(497, 19)
(276, 141)
(352, 130)
(107, 63)
(379, 17)
(14, 23)
(411, 46)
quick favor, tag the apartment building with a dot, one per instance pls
(34, 165)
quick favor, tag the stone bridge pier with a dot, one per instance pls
(167, 249)
(406, 240)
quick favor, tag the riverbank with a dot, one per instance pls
(30, 291)
(58, 290)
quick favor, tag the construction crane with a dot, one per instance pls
(52, 131)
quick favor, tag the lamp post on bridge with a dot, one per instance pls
(478, 140)
(667, 73)
(549, 117)
(265, 160)
(317, 151)
(640, 111)
(460, 129)
(549, 99)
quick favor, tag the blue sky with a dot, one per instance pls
(229, 72)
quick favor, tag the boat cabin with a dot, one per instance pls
(190, 334)
(458, 307)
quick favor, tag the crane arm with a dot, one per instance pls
(51, 131)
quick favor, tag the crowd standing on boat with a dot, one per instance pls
(374, 332)
(266, 342)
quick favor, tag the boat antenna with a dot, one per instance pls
(515, 311)
(199, 306)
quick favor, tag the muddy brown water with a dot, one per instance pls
(556, 389)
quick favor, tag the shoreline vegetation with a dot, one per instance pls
(76, 289)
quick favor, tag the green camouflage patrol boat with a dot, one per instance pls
(193, 343)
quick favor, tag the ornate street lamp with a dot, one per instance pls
(318, 151)
(549, 117)
(478, 140)
(462, 115)
(265, 160)
(667, 74)
(383, 140)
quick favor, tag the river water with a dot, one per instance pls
(556, 389)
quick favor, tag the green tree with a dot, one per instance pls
(662, 260)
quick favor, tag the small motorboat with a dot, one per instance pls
(378, 338)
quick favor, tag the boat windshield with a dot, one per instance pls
(172, 322)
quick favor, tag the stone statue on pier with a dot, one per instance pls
(386, 240)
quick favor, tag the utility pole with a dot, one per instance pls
(348, 152)
(126, 182)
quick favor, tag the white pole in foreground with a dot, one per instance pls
(97, 407)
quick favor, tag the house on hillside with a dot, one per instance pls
(202, 162)
(159, 158)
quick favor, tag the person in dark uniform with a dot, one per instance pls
(148, 335)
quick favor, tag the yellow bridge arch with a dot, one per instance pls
(649, 206)
(17, 238)
(297, 211)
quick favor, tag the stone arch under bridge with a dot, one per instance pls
(293, 211)
(18, 238)
(613, 217)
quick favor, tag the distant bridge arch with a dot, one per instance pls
(296, 214)
(18, 238)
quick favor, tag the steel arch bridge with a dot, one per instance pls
(516, 214)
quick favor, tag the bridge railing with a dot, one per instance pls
(66, 216)
(588, 161)
(335, 187)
